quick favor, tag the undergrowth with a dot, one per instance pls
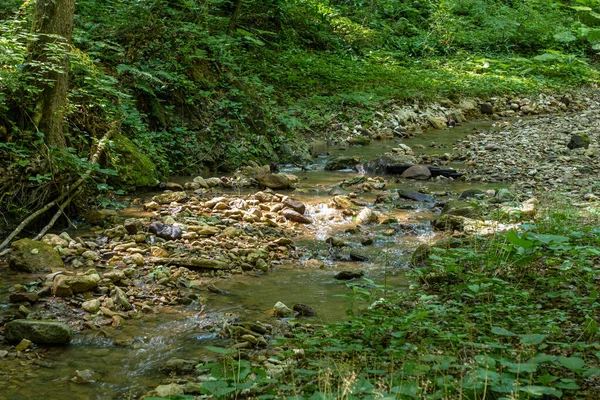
(514, 316)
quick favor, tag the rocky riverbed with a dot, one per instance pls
(169, 252)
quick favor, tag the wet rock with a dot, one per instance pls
(343, 202)
(170, 197)
(23, 345)
(167, 232)
(437, 122)
(173, 186)
(295, 216)
(68, 285)
(91, 306)
(359, 141)
(213, 289)
(84, 376)
(335, 241)
(204, 230)
(366, 216)
(20, 297)
(449, 222)
(486, 108)
(413, 195)
(33, 256)
(342, 162)
(90, 255)
(462, 209)
(348, 275)
(579, 142)
(133, 226)
(295, 205)
(161, 391)
(282, 311)
(120, 299)
(178, 366)
(356, 255)
(419, 172)
(470, 193)
(39, 332)
(304, 310)
(274, 181)
(313, 263)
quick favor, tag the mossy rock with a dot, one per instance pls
(462, 209)
(135, 169)
(39, 332)
(34, 256)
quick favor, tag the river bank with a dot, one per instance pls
(170, 253)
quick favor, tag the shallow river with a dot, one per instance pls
(127, 365)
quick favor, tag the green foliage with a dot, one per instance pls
(513, 316)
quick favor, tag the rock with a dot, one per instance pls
(170, 197)
(90, 255)
(343, 202)
(168, 232)
(420, 172)
(335, 241)
(413, 195)
(23, 345)
(359, 141)
(120, 299)
(169, 390)
(178, 366)
(33, 256)
(437, 122)
(448, 222)
(68, 285)
(201, 182)
(389, 163)
(98, 217)
(486, 108)
(295, 205)
(462, 209)
(282, 311)
(313, 263)
(304, 310)
(173, 186)
(213, 182)
(116, 232)
(39, 332)
(134, 167)
(55, 240)
(84, 376)
(366, 216)
(295, 216)
(274, 181)
(470, 193)
(356, 255)
(91, 306)
(20, 297)
(204, 230)
(342, 162)
(133, 226)
(348, 275)
(579, 142)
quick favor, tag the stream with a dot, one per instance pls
(126, 362)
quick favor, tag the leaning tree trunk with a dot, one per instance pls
(54, 25)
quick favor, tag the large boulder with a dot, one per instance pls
(419, 172)
(274, 181)
(342, 162)
(134, 167)
(39, 332)
(33, 256)
(391, 163)
(68, 285)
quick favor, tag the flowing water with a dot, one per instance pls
(127, 364)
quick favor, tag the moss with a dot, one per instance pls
(134, 167)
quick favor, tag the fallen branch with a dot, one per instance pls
(68, 194)
(61, 210)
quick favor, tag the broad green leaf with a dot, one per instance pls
(532, 339)
(501, 331)
(568, 384)
(483, 359)
(572, 363)
(539, 391)
(409, 389)
(513, 238)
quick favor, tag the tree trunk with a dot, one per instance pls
(54, 24)
(234, 17)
